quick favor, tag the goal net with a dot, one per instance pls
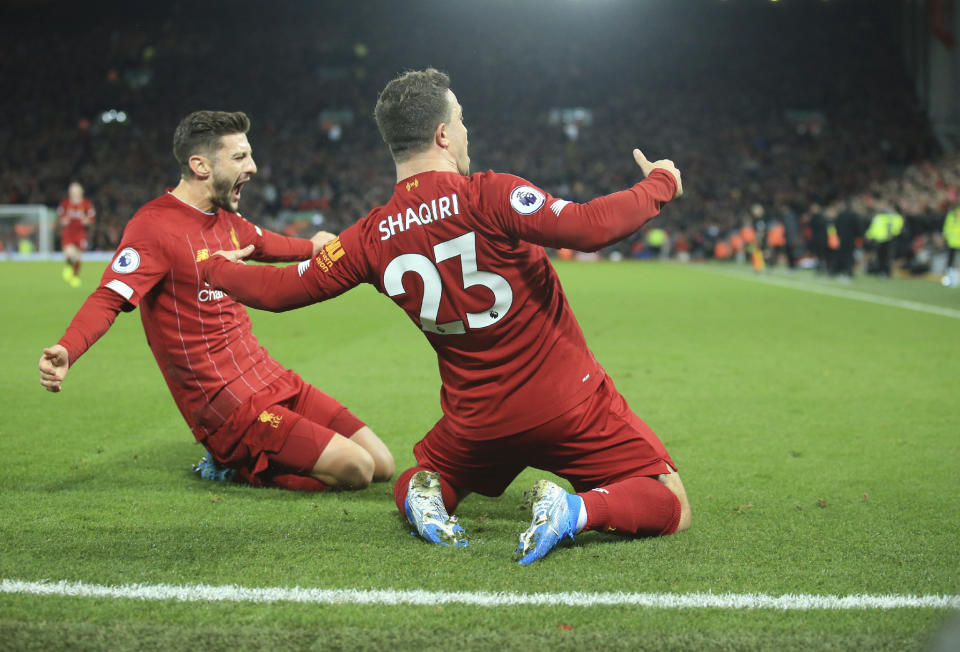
(26, 231)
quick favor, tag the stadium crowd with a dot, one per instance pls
(800, 110)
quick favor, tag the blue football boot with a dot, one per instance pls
(208, 469)
(425, 511)
(554, 519)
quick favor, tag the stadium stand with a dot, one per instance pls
(786, 122)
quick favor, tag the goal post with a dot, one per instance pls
(26, 231)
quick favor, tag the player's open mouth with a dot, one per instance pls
(237, 188)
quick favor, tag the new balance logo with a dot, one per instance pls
(558, 205)
(601, 490)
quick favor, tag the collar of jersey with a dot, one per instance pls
(190, 205)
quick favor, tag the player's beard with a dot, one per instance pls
(223, 193)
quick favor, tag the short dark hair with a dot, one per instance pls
(409, 109)
(200, 133)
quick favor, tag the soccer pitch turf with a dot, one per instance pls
(815, 426)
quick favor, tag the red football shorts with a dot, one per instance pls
(76, 237)
(273, 436)
(598, 442)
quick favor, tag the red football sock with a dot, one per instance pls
(295, 482)
(289, 481)
(76, 268)
(639, 507)
(400, 487)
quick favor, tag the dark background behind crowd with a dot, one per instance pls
(790, 105)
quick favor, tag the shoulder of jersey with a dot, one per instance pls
(160, 208)
(489, 181)
(523, 197)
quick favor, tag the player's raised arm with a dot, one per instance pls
(599, 222)
(663, 164)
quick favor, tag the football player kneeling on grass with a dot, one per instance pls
(464, 257)
(260, 422)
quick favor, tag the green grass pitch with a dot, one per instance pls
(818, 438)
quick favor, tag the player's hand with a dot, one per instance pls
(53, 367)
(321, 238)
(235, 255)
(664, 164)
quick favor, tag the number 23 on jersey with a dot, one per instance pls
(464, 247)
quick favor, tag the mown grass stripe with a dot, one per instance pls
(233, 593)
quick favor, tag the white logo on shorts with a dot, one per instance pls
(302, 267)
(126, 261)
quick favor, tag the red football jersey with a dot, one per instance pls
(463, 257)
(75, 217)
(201, 338)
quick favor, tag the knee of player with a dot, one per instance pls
(357, 472)
(384, 467)
(685, 517)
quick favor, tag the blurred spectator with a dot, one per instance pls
(740, 103)
(951, 235)
(884, 229)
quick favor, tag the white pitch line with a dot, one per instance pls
(841, 293)
(233, 593)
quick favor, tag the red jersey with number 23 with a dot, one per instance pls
(463, 257)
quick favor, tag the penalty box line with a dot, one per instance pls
(233, 593)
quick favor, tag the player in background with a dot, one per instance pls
(464, 257)
(257, 418)
(75, 214)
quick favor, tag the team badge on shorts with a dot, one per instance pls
(526, 200)
(271, 418)
(126, 261)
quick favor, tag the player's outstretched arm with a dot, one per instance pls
(270, 247)
(235, 255)
(339, 265)
(264, 287)
(54, 364)
(94, 318)
(605, 220)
